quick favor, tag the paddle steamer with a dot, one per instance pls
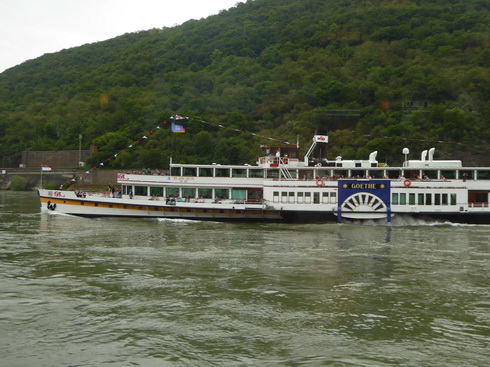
(283, 187)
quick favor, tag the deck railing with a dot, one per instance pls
(478, 205)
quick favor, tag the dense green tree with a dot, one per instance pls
(368, 71)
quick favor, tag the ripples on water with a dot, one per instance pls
(127, 292)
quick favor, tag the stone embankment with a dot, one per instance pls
(56, 177)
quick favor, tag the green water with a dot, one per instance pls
(128, 292)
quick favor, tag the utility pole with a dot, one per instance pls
(79, 149)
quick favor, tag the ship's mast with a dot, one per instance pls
(319, 137)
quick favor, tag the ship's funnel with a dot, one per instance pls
(372, 156)
(431, 154)
(424, 155)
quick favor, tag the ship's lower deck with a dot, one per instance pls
(147, 209)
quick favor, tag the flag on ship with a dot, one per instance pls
(177, 117)
(178, 128)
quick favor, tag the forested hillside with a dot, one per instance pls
(378, 75)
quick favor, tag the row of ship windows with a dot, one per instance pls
(291, 197)
(423, 199)
(157, 208)
(191, 192)
(311, 173)
(331, 198)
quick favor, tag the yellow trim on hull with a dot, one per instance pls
(181, 211)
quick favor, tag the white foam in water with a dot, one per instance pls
(50, 212)
(407, 221)
(177, 220)
(402, 221)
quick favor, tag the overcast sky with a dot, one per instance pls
(31, 28)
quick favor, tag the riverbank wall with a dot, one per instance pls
(56, 177)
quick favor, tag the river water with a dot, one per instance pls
(128, 292)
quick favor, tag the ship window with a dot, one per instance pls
(189, 171)
(141, 190)
(156, 191)
(222, 193)
(428, 199)
(284, 197)
(375, 173)
(293, 173)
(222, 172)
(300, 198)
(205, 172)
(394, 198)
(272, 173)
(189, 192)
(238, 194)
(421, 199)
(393, 173)
(316, 198)
(205, 193)
(307, 197)
(411, 199)
(444, 199)
(448, 174)
(238, 172)
(291, 197)
(453, 199)
(437, 199)
(357, 173)
(403, 199)
(463, 175)
(254, 194)
(175, 171)
(481, 197)
(323, 173)
(333, 197)
(339, 174)
(483, 175)
(429, 174)
(324, 197)
(276, 197)
(305, 175)
(173, 191)
(256, 173)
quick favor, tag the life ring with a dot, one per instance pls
(319, 182)
(407, 182)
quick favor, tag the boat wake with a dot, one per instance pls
(177, 220)
(406, 221)
(50, 212)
